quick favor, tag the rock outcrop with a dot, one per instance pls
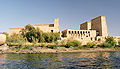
(2, 39)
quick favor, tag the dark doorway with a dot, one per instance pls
(52, 31)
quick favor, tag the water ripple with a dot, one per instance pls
(93, 60)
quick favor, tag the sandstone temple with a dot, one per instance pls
(95, 30)
(44, 27)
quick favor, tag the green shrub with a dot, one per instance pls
(52, 46)
(119, 42)
(28, 47)
(51, 37)
(91, 45)
(111, 41)
(32, 34)
(15, 38)
(76, 48)
(56, 42)
(15, 48)
(80, 47)
(76, 43)
(37, 36)
(117, 47)
(12, 40)
(106, 45)
(73, 43)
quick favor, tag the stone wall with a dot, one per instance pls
(14, 30)
(99, 24)
(49, 27)
(2, 38)
(44, 27)
(104, 26)
(83, 36)
(85, 26)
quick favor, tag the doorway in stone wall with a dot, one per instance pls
(52, 31)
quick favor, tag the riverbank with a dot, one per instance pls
(57, 50)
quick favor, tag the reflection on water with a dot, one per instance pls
(110, 60)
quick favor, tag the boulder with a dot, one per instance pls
(2, 39)
(4, 48)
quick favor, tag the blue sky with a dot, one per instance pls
(18, 13)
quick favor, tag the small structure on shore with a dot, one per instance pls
(2, 39)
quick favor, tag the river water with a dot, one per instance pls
(92, 60)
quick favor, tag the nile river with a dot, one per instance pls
(93, 60)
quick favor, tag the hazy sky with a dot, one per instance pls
(18, 13)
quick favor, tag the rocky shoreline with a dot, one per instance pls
(6, 50)
(74, 51)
